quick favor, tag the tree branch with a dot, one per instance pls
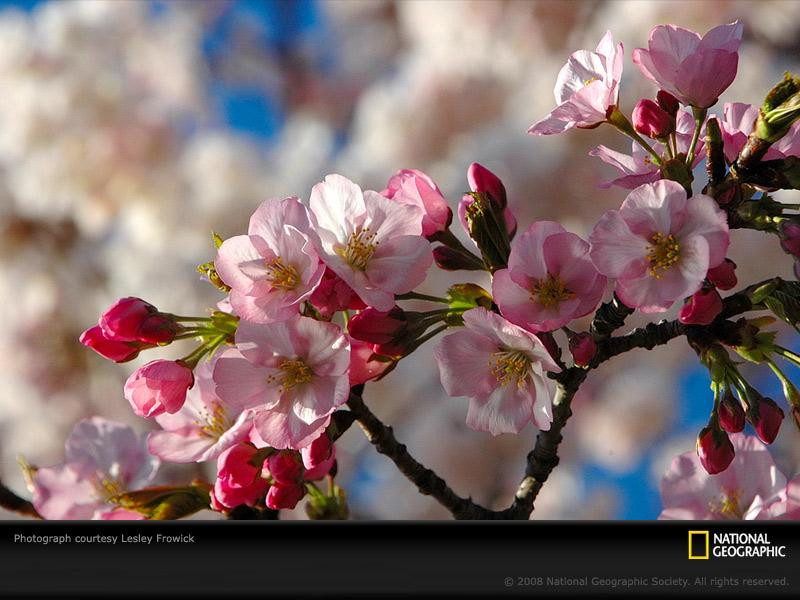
(10, 501)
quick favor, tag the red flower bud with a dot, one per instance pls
(723, 276)
(284, 496)
(583, 348)
(333, 294)
(317, 452)
(702, 308)
(449, 259)
(111, 349)
(482, 181)
(714, 450)
(765, 416)
(730, 413)
(285, 467)
(363, 367)
(651, 120)
(378, 327)
(790, 238)
(668, 102)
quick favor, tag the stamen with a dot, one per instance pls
(727, 505)
(550, 291)
(359, 249)
(663, 252)
(282, 276)
(510, 365)
(295, 372)
(589, 81)
(214, 423)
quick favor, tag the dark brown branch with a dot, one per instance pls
(10, 501)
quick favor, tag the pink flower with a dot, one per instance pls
(204, 427)
(550, 279)
(738, 121)
(363, 367)
(134, 320)
(702, 308)
(502, 369)
(723, 276)
(638, 167)
(651, 120)
(159, 386)
(285, 467)
(292, 373)
(742, 491)
(110, 349)
(238, 480)
(284, 496)
(790, 238)
(693, 69)
(586, 88)
(332, 295)
(371, 242)
(103, 459)
(714, 449)
(583, 348)
(659, 245)
(415, 188)
(275, 267)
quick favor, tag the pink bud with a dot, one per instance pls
(238, 479)
(766, 417)
(450, 259)
(378, 327)
(363, 367)
(112, 350)
(790, 238)
(285, 467)
(583, 348)
(333, 294)
(284, 496)
(702, 308)
(730, 413)
(651, 120)
(715, 450)
(668, 102)
(483, 181)
(159, 386)
(415, 188)
(723, 275)
(317, 452)
(122, 320)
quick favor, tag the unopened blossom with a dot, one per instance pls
(743, 491)
(273, 268)
(738, 122)
(119, 352)
(714, 449)
(650, 119)
(550, 279)
(723, 276)
(659, 245)
(319, 452)
(701, 308)
(159, 386)
(293, 374)
(765, 416)
(102, 459)
(134, 320)
(583, 348)
(333, 294)
(371, 242)
(286, 496)
(693, 69)
(790, 238)
(415, 188)
(364, 366)
(638, 167)
(205, 425)
(586, 89)
(238, 480)
(730, 413)
(285, 467)
(482, 181)
(502, 369)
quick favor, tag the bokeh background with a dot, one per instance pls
(131, 129)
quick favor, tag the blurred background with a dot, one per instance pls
(131, 129)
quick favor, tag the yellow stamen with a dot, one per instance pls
(109, 488)
(295, 372)
(215, 422)
(510, 365)
(663, 252)
(359, 249)
(727, 505)
(282, 276)
(589, 81)
(550, 291)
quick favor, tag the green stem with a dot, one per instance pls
(197, 319)
(416, 296)
(621, 123)
(699, 119)
(787, 354)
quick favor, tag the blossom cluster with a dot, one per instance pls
(313, 292)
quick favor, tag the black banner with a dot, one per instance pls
(391, 559)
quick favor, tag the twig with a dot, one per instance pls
(10, 501)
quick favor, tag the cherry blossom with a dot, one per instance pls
(738, 121)
(415, 188)
(159, 386)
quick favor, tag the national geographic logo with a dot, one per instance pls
(703, 545)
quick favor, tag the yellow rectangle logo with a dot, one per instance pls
(695, 535)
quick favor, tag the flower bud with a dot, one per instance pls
(651, 120)
(238, 479)
(482, 181)
(790, 238)
(317, 452)
(583, 348)
(702, 308)
(415, 188)
(159, 386)
(377, 327)
(284, 496)
(668, 102)
(714, 449)
(134, 320)
(765, 416)
(363, 366)
(285, 467)
(333, 294)
(450, 259)
(723, 276)
(110, 349)
(730, 413)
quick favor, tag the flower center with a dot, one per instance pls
(551, 291)
(281, 275)
(589, 81)
(108, 487)
(359, 249)
(663, 252)
(295, 372)
(214, 422)
(510, 365)
(727, 505)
